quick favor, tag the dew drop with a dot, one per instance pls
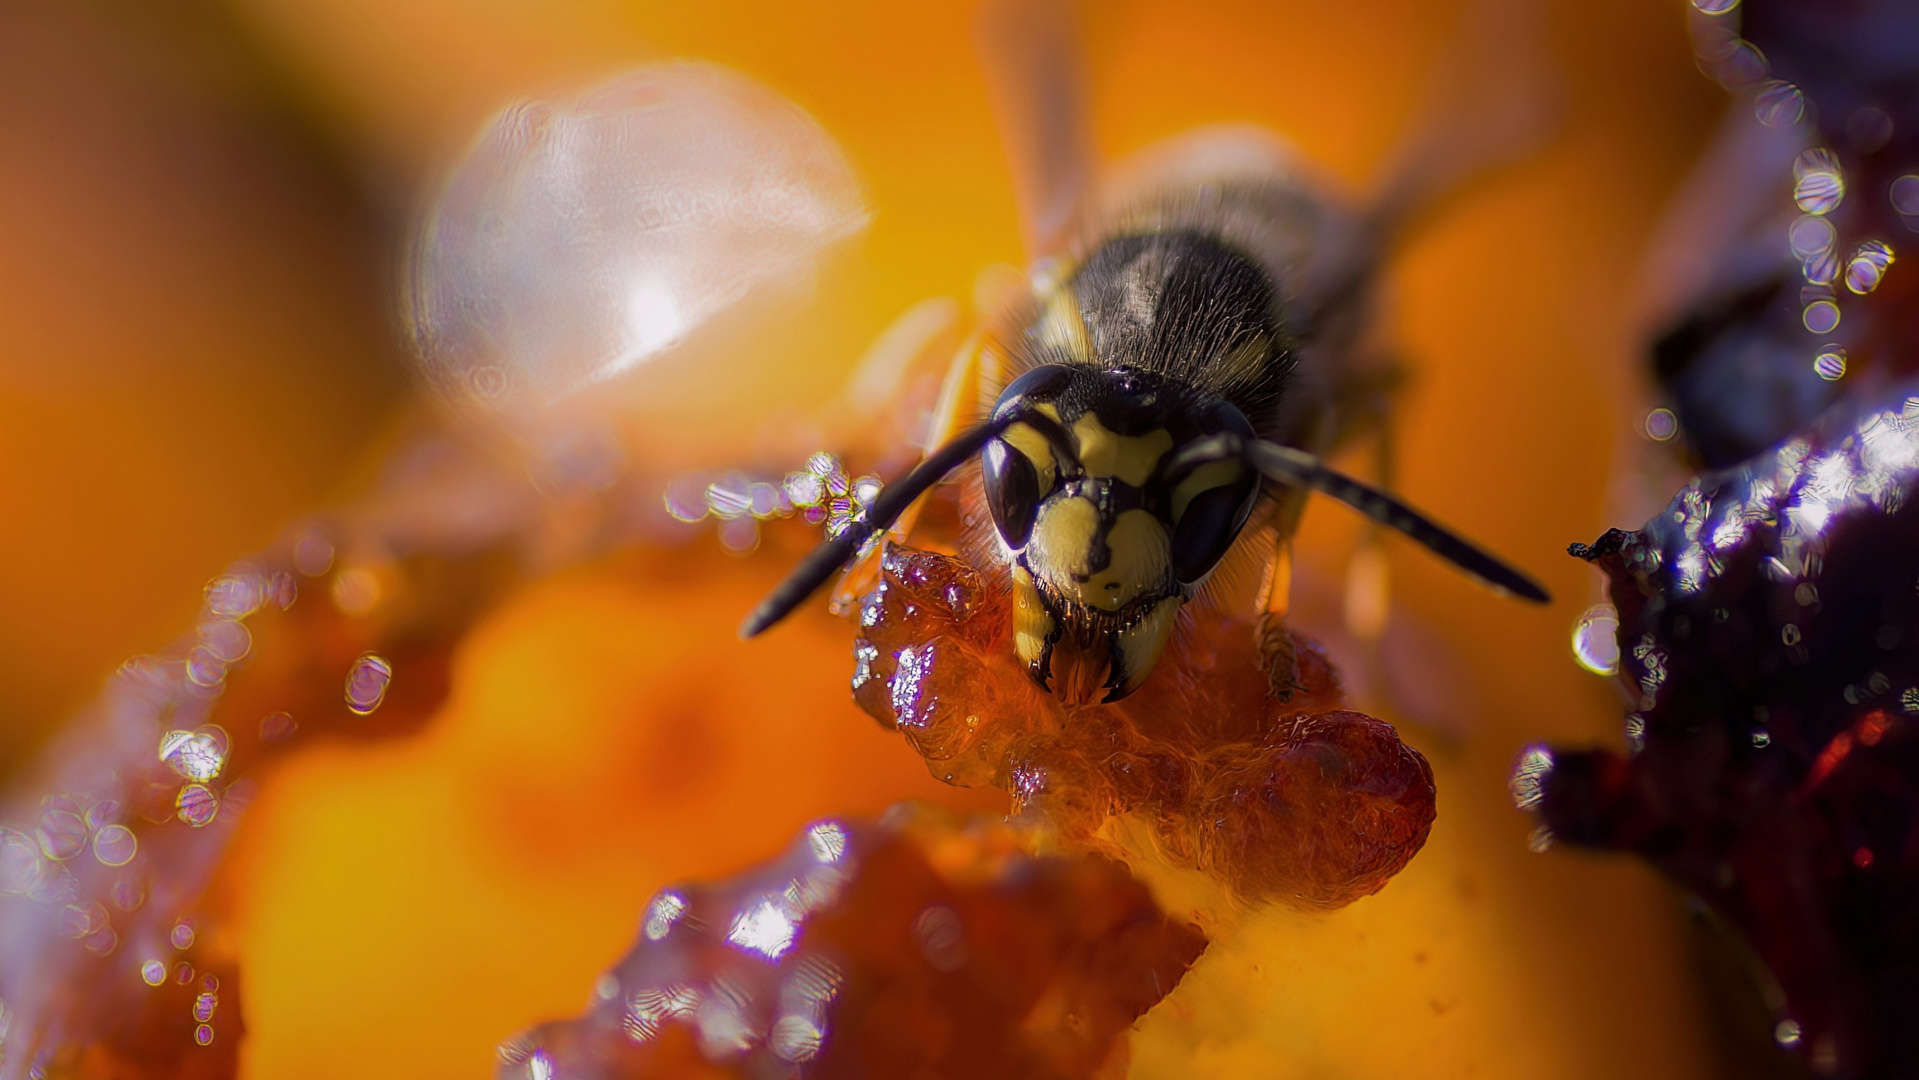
(1595, 639)
(196, 805)
(204, 1007)
(203, 1034)
(235, 596)
(1904, 195)
(19, 862)
(1821, 316)
(1811, 236)
(1661, 425)
(1779, 104)
(1715, 7)
(194, 755)
(313, 553)
(1868, 266)
(366, 683)
(277, 727)
(115, 845)
(1819, 184)
(181, 937)
(63, 831)
(1787, 1033)
(153, 973)
(795, 1038)
(1830, 364)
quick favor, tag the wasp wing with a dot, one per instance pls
(581, 237)
(1036, 76)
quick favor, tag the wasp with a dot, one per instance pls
(1188, 348)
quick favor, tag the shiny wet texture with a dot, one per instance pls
(924, 945)
(1305, 801)
(1767, 629)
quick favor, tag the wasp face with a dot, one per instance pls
(1107, 537)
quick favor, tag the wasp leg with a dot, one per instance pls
(1367, 603)
(1277, 657)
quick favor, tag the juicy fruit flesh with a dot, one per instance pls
(1302, 801)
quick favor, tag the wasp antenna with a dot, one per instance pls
(1297, 468)
(827, 559)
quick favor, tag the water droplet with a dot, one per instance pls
(128, 893)
(19, 862)
(1868, 266)
(1811, 236)
(204, 1007)
(1761, 738)
(194, 755)
(795, 1038)
(828, 841)
(1819, 184)
(205, 669)
(235, 596)
(764, 929)
(1821, 316)
(227, 639)
(729, 497)
(101, 942)
(539, 1066)
(153, 973)
(79, 920)
(740, 536)
(115, 845)
(1789, 634)
(1715, 7)
(804, 488)
(1830, 364)
(1821, 269)
(1595, 639)
(181, 936)
(1529, 772)
(1779, 104)
(607, 987)
(662, 913)
(685, 499)
(366, 683)
(1539, 840)
(182, 973)
(277, 727)
(196, 805)
(1661, 425)
(941, 937)
(63, 831)
(313, 553)
(1787, 1033)
(1904, 195)
(203, 1034)
(1909, 699)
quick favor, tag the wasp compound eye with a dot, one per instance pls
(1039, 384)
(1210, 523)
(1012, 492)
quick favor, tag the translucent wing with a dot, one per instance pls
(582, 237)
(1030, 50)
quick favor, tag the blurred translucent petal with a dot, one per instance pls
(581, 237)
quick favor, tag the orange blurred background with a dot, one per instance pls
(203, 202)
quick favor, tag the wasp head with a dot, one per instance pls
(1108, 534)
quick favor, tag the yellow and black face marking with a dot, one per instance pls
(1122, 466)
(1107, 540)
